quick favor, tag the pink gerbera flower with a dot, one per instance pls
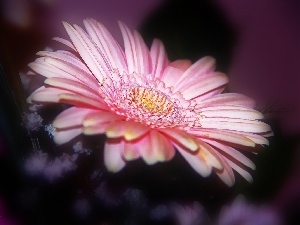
(146, 105)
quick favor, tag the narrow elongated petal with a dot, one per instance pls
(223, 135)
(106, 43)
(126, 129)
(137, 53)
(158, 58)
(202, 67)
(47, 95)
(82, 101)
(162, 147)
(207, 153)
(182, 138)
(251, 126)
(226, 99)
(231, 112)
(196, 162)
(112, 155)
(87, 51)
(64, 136)
(99, 117)
(240, 170)
(204, 86)
(171, 75)
(226, 174)
(232, 153)
(71, 117)
(72, 86)
(65, 42)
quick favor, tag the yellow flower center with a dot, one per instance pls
(150, 100)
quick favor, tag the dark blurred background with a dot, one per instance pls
(255, 42)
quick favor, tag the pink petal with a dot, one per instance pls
(206, 85)
(207, 153)
(158, 58)
(162, 147)
(99, 117)
(112, 155)
(154, 148)
(226, 174)
(232, 153)
(241, 171)
(252, 126)
(68, 62)
(127, 129)
(196, 162)
(65, 42)
(222, 135)
(95, 129)
(171, 75)
(203, 66)
(137, 53)
(64, 136)
(73, 86)
(225, 111)
(182, 138)
(88, 51)
(82, 101)
(132, 149)
(226, 99)
(71, 117)
(106, 43)
(258, 139)
(49, 95)
(181, 64)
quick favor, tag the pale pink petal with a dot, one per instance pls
(154, 147)
(226, 174)
(182, 138)
(127, 129)
(95, 129)
(73, 66)
(232, 153)
(200, 68)
(65, 42)
(137, 53)
(206, 85)
(225, 111)
(64, 136)
(146, 150)
(162, 147)
(258, 139)
(112, 155)
(71, 117)
(251, 126)
(48, 95)
(82, 101)
(106, 43)
(181, 64)
(88, 51)
(158, 58)
(99, 118)
(240, 170)
(223, 135)
(72, 86)
(171, 75)
(132, 149)
(226, 99)
(196, 162)
(142, 51)
(207, 153)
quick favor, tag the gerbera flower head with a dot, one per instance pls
(146, 105)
